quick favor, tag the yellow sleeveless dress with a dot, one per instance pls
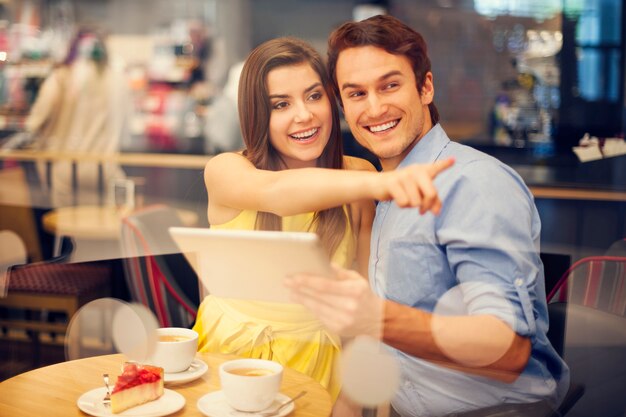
(285, 333)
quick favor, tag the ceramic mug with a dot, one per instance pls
(250, 384)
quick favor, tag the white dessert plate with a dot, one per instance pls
(196, 370)
(214, 404)
(170, 402)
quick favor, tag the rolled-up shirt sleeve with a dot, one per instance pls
(489, 228)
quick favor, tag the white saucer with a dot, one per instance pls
(214, 404)
(170, 402)
(196, 370)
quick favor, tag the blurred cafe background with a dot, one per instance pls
(523, 80)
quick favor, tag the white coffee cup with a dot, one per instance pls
(250, 384)
(175, 349)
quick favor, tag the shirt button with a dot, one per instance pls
(519, 282)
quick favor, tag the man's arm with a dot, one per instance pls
(482, 344)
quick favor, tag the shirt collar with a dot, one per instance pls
(427, 148)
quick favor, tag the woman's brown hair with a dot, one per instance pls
(254, 115)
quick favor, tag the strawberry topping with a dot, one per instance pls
(134, 375)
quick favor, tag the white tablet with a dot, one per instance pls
(247, 264)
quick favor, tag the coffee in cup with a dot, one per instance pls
(251, 371)
(172, 338)
(175, 349)
(250, 384)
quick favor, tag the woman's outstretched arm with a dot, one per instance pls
(234, 184)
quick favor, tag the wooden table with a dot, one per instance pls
(94, 222)
(97, 229)
(53, 390)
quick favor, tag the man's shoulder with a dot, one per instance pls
(472, 159)
(465, 154)
(462, 153)
(477, 169)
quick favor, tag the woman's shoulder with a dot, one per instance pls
(228, 162)
(226, 158)
(357, 164)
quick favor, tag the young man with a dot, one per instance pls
(482, 248)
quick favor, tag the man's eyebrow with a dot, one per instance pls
(306, 90)
(349, 85)
(381, 78)
(390, 74)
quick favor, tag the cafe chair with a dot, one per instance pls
(12, 252)
(597, 282)
(587, 310)
(554, 266)
(157, 275)
(40, 291)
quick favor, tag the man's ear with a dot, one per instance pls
(427, 92)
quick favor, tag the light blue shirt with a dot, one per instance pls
(486, 243)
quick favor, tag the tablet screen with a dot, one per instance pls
(252, 265)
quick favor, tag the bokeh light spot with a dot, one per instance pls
(89, 330)
(466, 311)
(134, 332)
(370, 374)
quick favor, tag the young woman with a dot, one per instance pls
(293, 176)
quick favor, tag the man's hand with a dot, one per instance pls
(345, 305)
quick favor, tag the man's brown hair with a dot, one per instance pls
(388, 33)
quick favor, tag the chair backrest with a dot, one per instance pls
(12, 252)
(156, 273)
(597, 282)
(587, 310)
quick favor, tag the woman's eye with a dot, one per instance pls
(280, 105)
(315, 96)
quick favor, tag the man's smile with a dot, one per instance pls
(383, 127)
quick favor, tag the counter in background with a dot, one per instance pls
(171, 179)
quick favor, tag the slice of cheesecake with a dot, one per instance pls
(137, 385)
